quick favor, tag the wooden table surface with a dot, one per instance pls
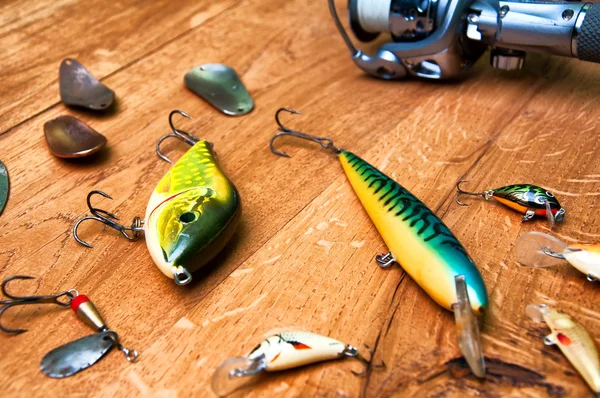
(303, 256)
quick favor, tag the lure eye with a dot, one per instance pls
(548, 193)
(188, 217)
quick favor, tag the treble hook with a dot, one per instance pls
(107, 218)
(24, 300)
(485, 195)
(325, 142)
(351, 351)
(179, 134)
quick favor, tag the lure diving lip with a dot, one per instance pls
(527, 199)
(417, 239)
(279, 352)
(192, 213)
(539, 250)
(573, 340)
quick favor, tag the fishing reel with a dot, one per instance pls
(440, 39)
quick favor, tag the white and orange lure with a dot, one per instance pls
(539, 250)
(279, 352)
(573, 340)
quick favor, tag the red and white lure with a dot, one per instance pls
(540, 250)
(573, 340)
(279, 352)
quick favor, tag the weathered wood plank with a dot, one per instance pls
(104, 36)
(303, 256)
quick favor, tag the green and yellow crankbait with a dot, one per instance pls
(529, 200)
(423, 245)
(191, 215)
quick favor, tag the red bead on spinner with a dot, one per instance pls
(86, 310)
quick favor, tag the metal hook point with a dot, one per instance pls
(179, 134)
(12, 278)
(325, 142)
(5, 329)
(272, 145)
(462, 192)
(107, 218)
(352, 351)
(292, 111)
(176, 112)
(24, 300)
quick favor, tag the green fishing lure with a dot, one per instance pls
(191, 215)
(4, 186)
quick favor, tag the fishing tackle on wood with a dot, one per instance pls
(540, 250)
(418, 240)
(77, 355)
(573, 340)
(527, 199)
(191, 215)
(80, 354)
(279, 352)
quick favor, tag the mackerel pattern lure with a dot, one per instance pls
(573, 340)
(77, 355)
(529, 200)
(280, 352)
(540, 250)
(192, 213)
(418, 240)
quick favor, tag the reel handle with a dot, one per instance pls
(587, 41)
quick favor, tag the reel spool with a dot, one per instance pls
(405, 20)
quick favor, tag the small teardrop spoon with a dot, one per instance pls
(69, 137)
(221, 86)
(78, 355)
(79, 88)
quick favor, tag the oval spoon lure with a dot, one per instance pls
(80, 354)
(418, 240)
(527, 199)
(572, 339)
(279, 352)
(191, 215)
(540, 250)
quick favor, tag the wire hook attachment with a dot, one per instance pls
(58, 299)
(184, 136)
(485, 195)
(325, 142)
(351, 351)
(103, 216)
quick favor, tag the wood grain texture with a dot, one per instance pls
(304, 253)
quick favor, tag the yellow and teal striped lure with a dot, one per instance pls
(191, 215)
(418, 240)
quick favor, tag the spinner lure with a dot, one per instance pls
(418, 240)
(191, 215)
(279, 352)
(539, 250)
(529, 200)
(77, 355)
(573, 340)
